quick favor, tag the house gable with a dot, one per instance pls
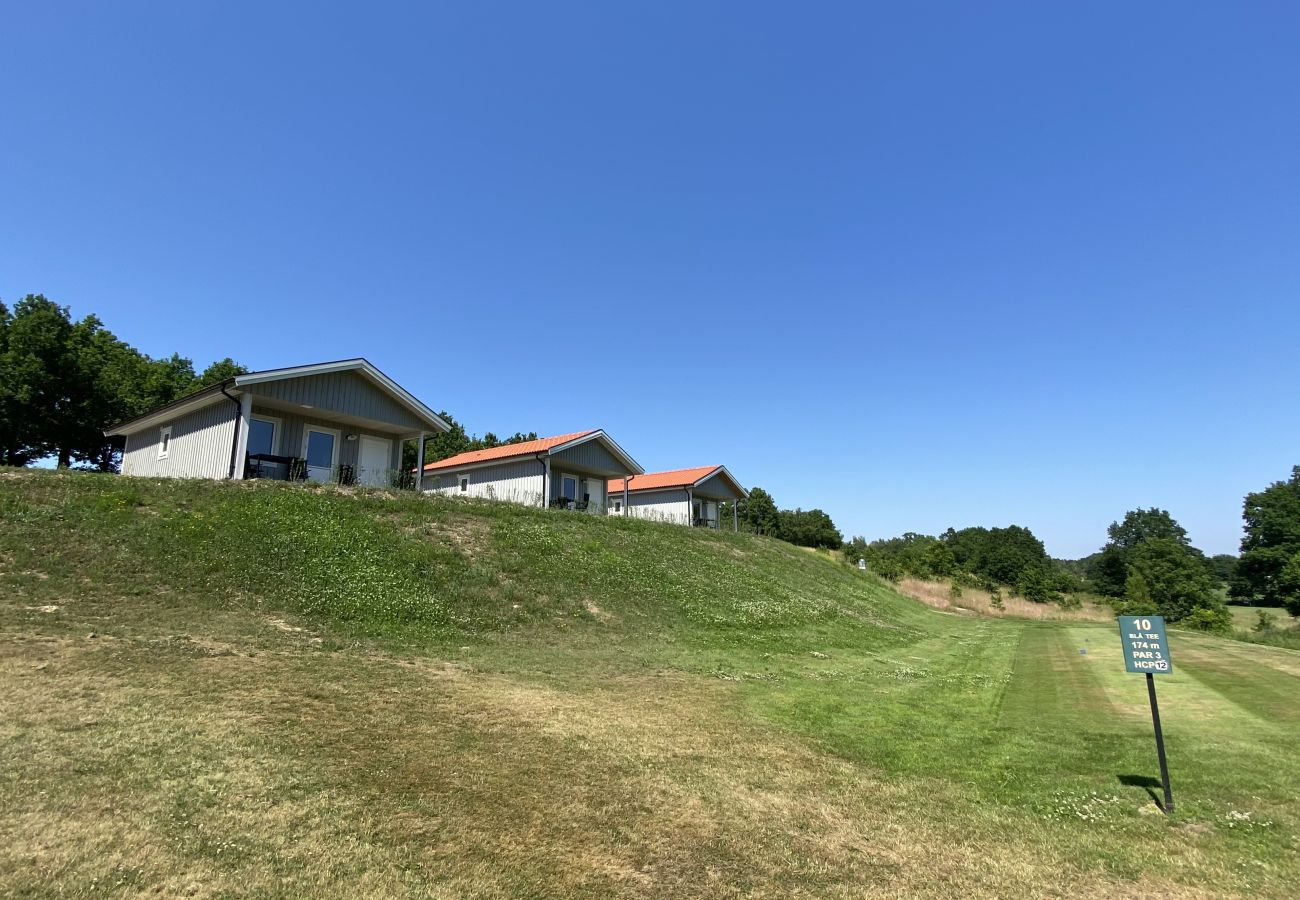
(346, 393)
(589, 455)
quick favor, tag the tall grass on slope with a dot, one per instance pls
(939, 595)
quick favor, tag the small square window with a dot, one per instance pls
(618, 506)
(164, 442)
(464, 484)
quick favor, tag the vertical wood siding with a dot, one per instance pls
(517, 482)
(716, 487)
(660, 506)
(292, 427)
(595, 486)
(343, 392)
(200, 445)
(589, 457)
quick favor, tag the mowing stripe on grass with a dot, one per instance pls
(1259, 689)
(1052, 684)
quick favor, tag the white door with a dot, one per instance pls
(594, 488)
(372, 464)
(320, 447)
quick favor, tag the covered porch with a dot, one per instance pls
(577, 477)
(283, 441)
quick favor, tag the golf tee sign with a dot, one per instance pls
(1146, 652)
(1146, 649)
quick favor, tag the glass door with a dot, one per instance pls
(320, 448)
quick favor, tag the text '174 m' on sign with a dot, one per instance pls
(1146, 649)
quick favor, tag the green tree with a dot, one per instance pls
(1224, 567)
(62, 382)
(1177, 579)
(457, 440)
(1137, 597)
(758, 513)
(219, 371)
(1270, 544)
(1011, 556)
(1141, 525)
(808, 528)
(1108, 570)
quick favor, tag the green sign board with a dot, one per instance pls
(1146, 649)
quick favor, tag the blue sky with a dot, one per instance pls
(917, 264)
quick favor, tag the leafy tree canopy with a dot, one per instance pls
(62, 382)
(1270, 545)
(458, 440)
(1141, 525)
(758, 513)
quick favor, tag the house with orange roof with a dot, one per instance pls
(683, 496)
(568, 471)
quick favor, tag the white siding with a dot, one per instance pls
(517, 482)
(200, 445)
(659, 506)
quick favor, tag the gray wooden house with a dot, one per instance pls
(568, 471)
(342, 421)
(684, 496)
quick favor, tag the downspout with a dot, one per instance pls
(690, 508)
(626, 512)
(546, 471)
(234, 445)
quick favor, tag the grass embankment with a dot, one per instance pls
(246, 690)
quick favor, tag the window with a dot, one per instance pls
(164, 442)
(568, 487)
(261, 435)
(464, 484)
(618, 506)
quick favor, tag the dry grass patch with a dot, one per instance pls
(938, 595)
(141, 767)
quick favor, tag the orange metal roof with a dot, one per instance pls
(659, 480)
(507, 451)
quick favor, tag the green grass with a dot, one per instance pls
(297, 692)
(1245, 617)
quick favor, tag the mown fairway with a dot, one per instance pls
(544, 726)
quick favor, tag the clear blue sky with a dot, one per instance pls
(917, 264)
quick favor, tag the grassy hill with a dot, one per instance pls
(260, 690)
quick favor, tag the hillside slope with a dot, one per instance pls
(260, 690)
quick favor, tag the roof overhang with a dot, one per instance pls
(608, 443)
(446, 466)
(163, 414)
(722, 473)
(364, 367)
(231, 387)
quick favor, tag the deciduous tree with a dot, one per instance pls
(1270, 545)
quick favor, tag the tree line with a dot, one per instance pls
(457, 440)
(62, 382)
(991, 558)
(1147, 565)
(758, 513)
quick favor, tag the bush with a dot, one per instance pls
(1216, 621)
(1034, 585)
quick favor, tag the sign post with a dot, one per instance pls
(1146, 651)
